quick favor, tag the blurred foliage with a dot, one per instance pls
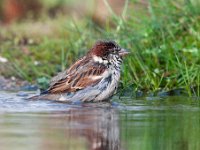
(163, 36)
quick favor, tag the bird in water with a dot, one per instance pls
(93, 78)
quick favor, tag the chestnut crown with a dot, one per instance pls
(104, 48)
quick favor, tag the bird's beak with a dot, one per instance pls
(123, 52)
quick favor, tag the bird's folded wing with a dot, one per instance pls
(71, 70)
(78, 78)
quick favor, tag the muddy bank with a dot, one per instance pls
(13, 84)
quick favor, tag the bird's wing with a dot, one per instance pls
(71, 70)
(79, 76)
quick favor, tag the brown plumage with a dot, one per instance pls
(92, 78)
(77, 77)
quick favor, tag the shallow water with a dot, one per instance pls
(150, 123)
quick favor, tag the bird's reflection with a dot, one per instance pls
(98, 125)
(95, 127)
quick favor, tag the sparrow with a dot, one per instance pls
(93, 78)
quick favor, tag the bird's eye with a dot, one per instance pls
(114, 51)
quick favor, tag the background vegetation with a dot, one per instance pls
(163, 37)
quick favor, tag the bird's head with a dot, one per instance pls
(104, 51)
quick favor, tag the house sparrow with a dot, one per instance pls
(94, 77)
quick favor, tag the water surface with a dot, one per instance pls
(150, 123)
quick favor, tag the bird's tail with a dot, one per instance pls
(37, 97)
(45, 97)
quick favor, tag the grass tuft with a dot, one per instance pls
(163, 37)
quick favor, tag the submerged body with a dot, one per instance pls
(95, 77)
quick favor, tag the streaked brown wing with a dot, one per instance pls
(78, 77)
(63, 75)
